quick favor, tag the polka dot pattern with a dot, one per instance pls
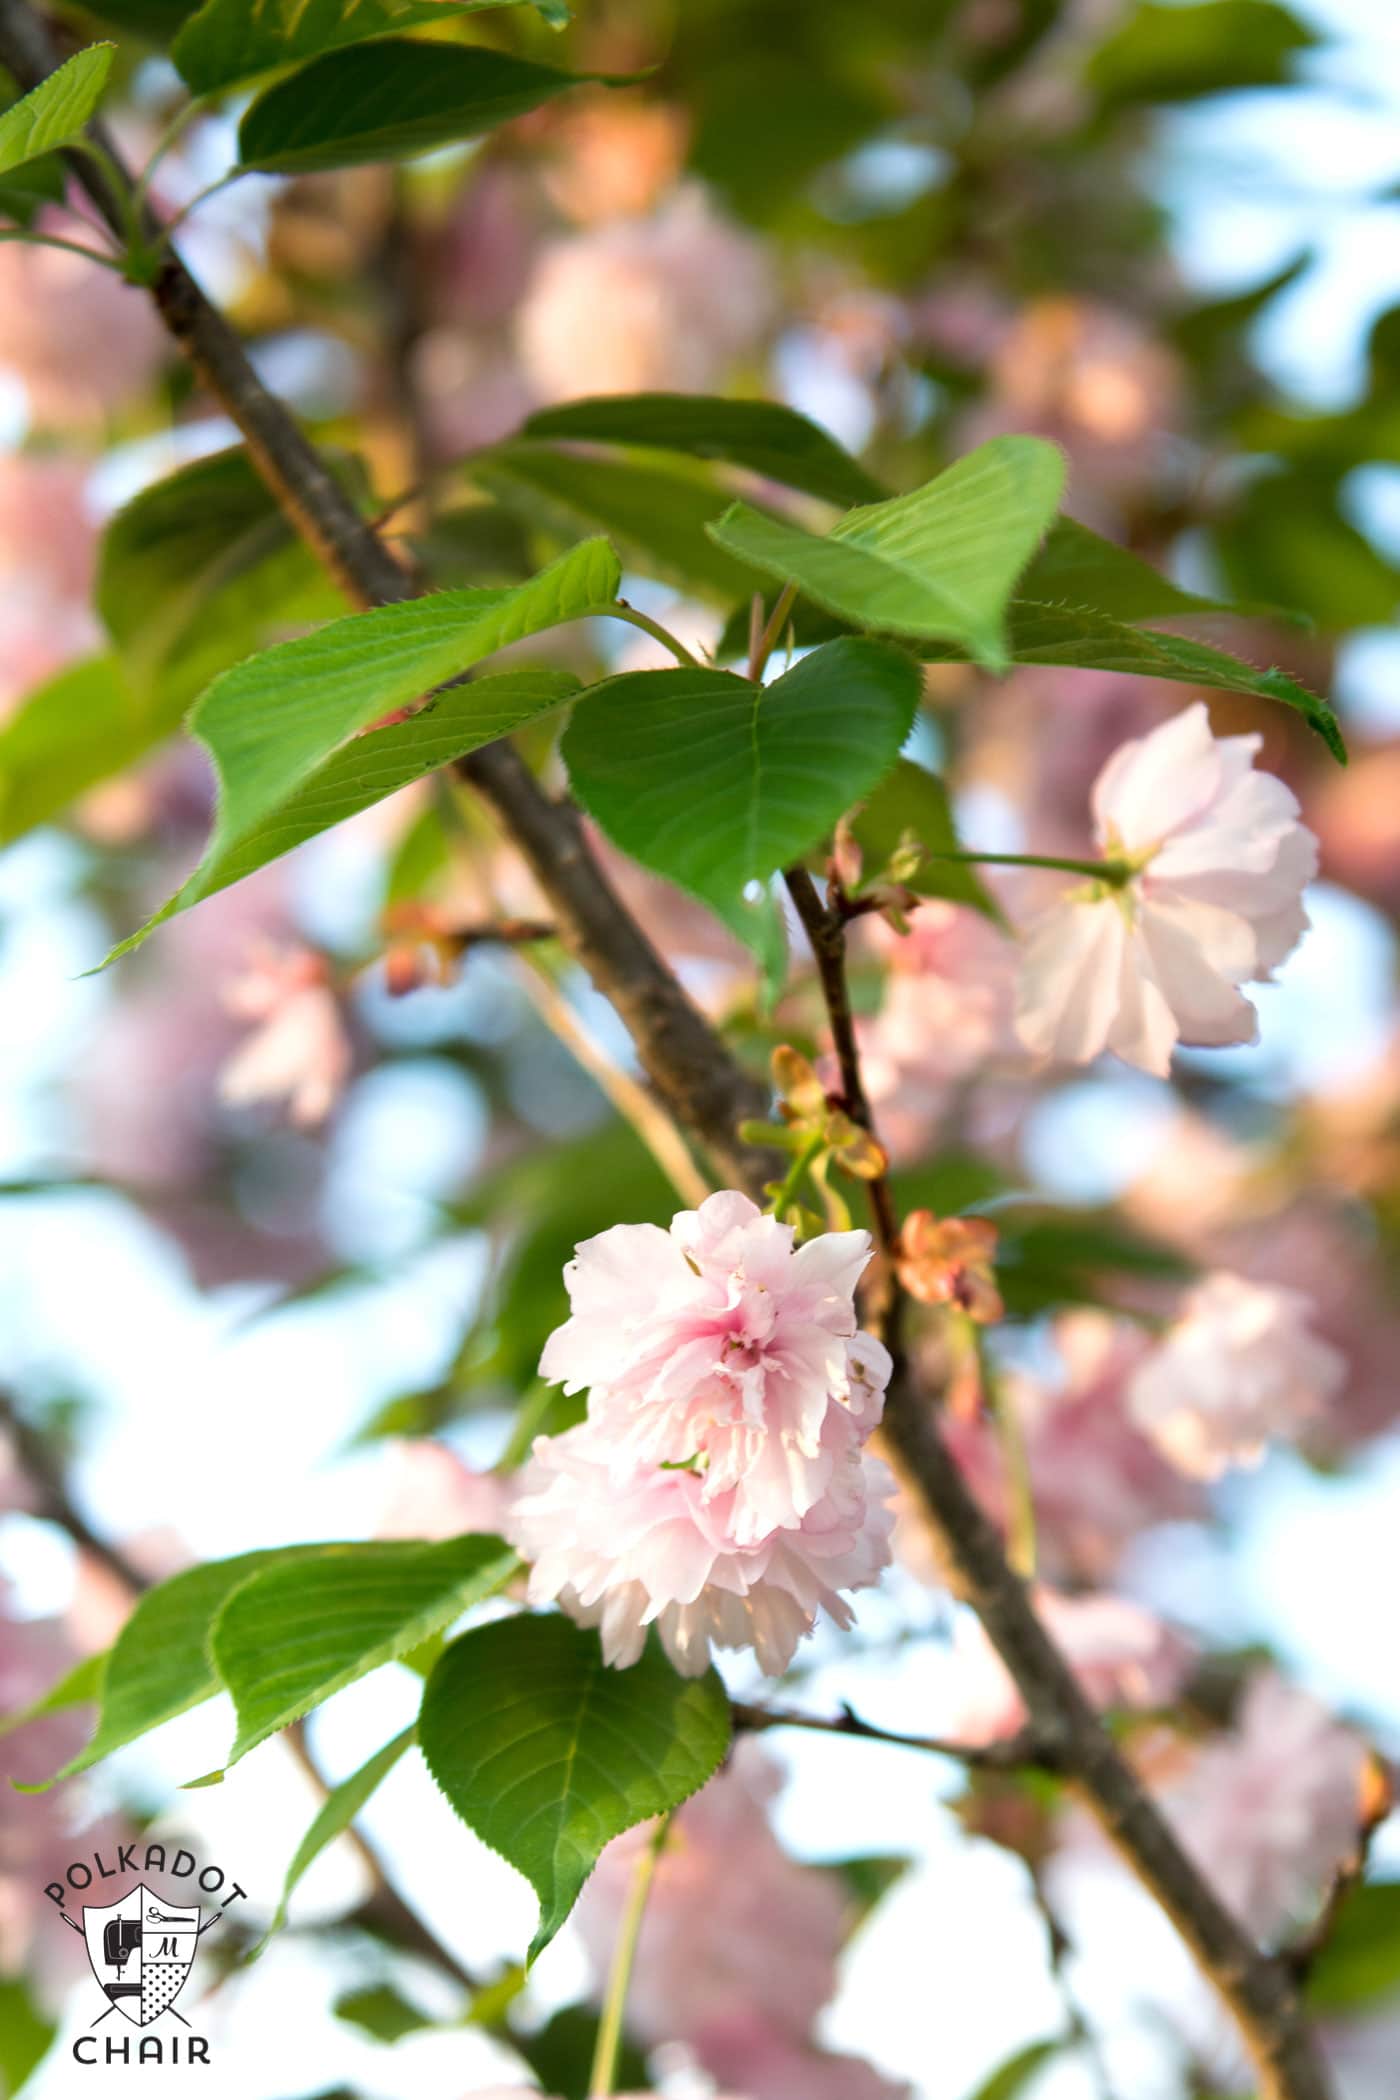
(160, 1983)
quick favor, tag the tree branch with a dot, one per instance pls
(708, 1092)
(1260, 1991)
(703, 1086)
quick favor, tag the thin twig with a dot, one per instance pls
(1016, 1753)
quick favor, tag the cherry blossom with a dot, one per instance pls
(631, 306)
(655, 1546)
(1219, 863)
(80, 341)
(433, 1494)
(1273, 1808)
(300, 1051)
(1239, 1368)
(1098, 1479)
(47, 542)
(721, 1340)
(1122, 1655)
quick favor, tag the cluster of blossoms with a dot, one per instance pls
(718, 1488)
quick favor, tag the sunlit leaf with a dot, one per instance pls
(939, 564)
(294, 1636)
(54, 113)
(716, 783)
(549, 1755)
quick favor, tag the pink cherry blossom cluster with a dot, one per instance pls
(718, 1488)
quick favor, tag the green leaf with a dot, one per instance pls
(85, 725)
(294, 1636)
(1018, 2073)
(388, 101)
(913, 799)
(561, 2054)
(282, 729)
(1172, 53)
(1076, 567)
(82, 1684)
(159, 1664)
(549, 1755)
(714, 782)
(868, 1877)
(1048, 634)
(54, 113)
(1286, 539)
(937, 565)
(198, 570)
(1361, 1960)
(25, 2034)
(762, 436)
(661, 509)
(335, 1815)
(24, 191)
(230, 41)
(379, 2010)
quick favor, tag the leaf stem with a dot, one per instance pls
(53, 240)
(768, 640)
(623, 611)
(603, 2077)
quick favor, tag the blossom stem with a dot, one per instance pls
(603, 2076)
(623, 611)
(793, 1181)
(1021, 1531)
(1114, 872)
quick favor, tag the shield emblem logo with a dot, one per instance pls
(141, 1948)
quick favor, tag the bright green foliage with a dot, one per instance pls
(55, 112)
(549, 1755)
(159, 1665)
(939, 564)
(297, 1634)
(82, 1684)
(84, 725)
(911, 799)
(656, 508)
(716, 783)
(25, 2035)
(279, 727)
(389, 100)
(200, 569)
(381, 2012)
(1017, 2075)
(1361, 1960)
(1173, 54)
(1080, 570)
(762, 436)
(335, 1815)
(229, 41)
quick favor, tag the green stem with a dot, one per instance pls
(53, 240)
(768, 641)
(603, 2076)
(200, 197)
(788, 1192)
(168, 138)
(622, 611)
(1116, 873)
(1020, 1530)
